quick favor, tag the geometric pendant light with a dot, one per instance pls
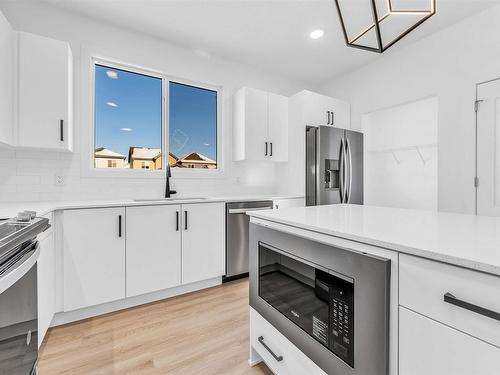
(376, 25)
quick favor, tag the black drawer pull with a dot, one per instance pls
(278, 358)
(61, 130)
(176, 221)
(450, 298)
(119, 225)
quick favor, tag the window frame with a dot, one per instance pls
(165, 126)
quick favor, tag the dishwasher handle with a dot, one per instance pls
(245, 210)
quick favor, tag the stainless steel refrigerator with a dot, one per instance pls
(334, 166)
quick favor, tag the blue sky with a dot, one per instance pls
(128, 112)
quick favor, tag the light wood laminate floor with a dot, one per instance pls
(204, 332)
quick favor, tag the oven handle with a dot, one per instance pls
(278, 358)
(17, 270)
(245, 210)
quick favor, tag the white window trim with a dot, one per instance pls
(88, 169)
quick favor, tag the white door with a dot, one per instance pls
(94, 256)
(153, 248)
(256, 125)
(278, 127)
(46, 283)
(488, 149)
(203, 241)
(45, 99)
(427, 347)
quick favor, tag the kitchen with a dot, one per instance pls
(122, 247)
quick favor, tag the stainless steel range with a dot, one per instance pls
(19, 251)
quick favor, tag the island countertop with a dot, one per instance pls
(463, 240)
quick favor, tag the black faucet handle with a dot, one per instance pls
(173, 192)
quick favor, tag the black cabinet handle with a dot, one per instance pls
(185, 220)
(328, 122)
(61, 130)
(276, 357)
(266, 150)
(332, 119)
(451, 299)
(176, 221)
(119, 225)
(271, 153)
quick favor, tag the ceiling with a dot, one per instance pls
(269, 35)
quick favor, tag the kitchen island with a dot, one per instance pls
(444, 285)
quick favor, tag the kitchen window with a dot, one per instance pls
(132, 131)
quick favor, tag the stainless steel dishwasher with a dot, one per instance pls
(237, 222)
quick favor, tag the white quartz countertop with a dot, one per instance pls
(8, 210)
(463, 240)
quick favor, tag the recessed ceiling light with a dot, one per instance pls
(316, 34)
(112, 74)
(111, 104)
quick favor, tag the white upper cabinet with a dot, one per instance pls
(260, 126)
(324, 110)
(7, 82)
(45, 87)
(153, 248)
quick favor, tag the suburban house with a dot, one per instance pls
(196, 160)
(144, 158)
(105, 158)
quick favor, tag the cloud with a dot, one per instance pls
(112, 74)
(112, 104)
(206, 144)
(126, 129)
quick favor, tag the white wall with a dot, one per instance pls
(6, 80)
(447, 64)
(30, 175)
(401, 156)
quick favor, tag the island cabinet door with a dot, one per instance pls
(203, 241)
(431, 348)
(94, 256)
(153, 248)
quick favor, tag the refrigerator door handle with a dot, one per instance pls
(342, 171)
(349, 171)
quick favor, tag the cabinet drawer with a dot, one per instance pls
(423, 285)
(430, 348)
(293, 361)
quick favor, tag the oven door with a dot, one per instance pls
(18, 314)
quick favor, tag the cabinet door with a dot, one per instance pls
(278, 127)
(94, 256)
(46, 284)
(430, 348)
(153, 248)
(45, 99)
(316, 108)
(203, 241)
(256, 124)
(287, 203)
(7, 81)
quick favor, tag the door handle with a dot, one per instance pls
(266, 150)
(349, 170)
(176, 221)
(451, 299)
(61, 130)
(328, 120)
(185, 220)
(271, 152)
(342, 173)
(332, 118)
(278, 358)
(119, 225)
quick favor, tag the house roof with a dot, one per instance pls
(143, 153)
(104, 153)
(196, 158)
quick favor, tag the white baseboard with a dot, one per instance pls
(92, 311)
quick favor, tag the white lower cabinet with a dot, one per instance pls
(94, 256)
(431, 348)
(46, 283)
(203, 241)
(153, 248)
(279, 354)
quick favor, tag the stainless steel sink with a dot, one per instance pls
(169, 199)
